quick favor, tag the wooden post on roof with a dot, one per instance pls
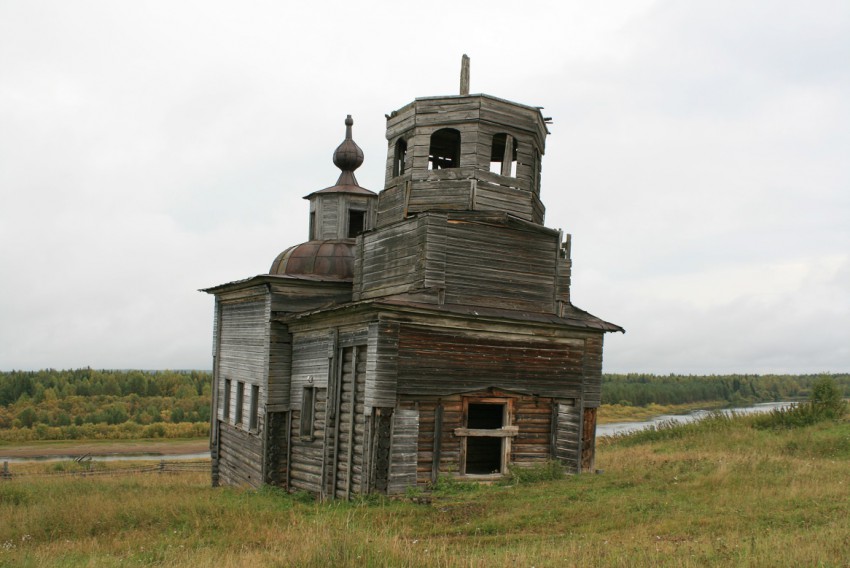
(464, 75)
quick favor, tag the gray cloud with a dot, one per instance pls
(698, 157)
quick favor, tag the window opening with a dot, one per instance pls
(503, 155)
(356, 222)
(484, 453)
(444, 151)
(312, 225)
(399, 157)
(308, 405)
(254, 418)
(227, 387)
(240, 396)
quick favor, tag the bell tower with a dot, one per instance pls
(463, 153)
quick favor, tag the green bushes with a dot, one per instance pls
(825, 403)
(91, 404)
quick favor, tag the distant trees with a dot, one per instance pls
(103, 403)
(639, 389)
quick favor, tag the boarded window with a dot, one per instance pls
(308, 405)
(399, 157)
(444, 151)
(503, 155)
(240, 398)
(254, 418)
(227, 387)
(356, 222)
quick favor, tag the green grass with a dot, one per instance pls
(719, 493)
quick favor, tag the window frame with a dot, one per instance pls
(228, 386)
(308, 413)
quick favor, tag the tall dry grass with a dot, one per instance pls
(721, 494)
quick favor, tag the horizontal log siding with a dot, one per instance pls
(488, 265)
(240, 457)
(531, 446)
(307, 454)
(280, 365)
(435, 361)
(391, 260)
(244, 355)
(381, 365)
(309, 363)
(593, 371)
(391, 204)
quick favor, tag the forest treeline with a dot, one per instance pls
(89, 403)
(92, 404)
(640, 389)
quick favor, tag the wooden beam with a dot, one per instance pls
(504, 432)
(464, 75)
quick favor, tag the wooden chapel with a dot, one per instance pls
(423, 331)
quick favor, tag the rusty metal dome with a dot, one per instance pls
(321, 260)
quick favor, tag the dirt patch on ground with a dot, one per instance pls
(105, 448)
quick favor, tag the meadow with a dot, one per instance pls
(717, 493)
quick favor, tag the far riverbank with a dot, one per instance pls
(102, 448)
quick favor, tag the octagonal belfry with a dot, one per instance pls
(463, 152)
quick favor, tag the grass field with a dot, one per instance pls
(718, 493)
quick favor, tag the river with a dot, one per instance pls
(601, 431)
(613, 428)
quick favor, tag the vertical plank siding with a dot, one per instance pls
(403, 450)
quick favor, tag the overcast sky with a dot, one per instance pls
(699, 156)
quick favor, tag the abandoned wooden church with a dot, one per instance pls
(426, 330)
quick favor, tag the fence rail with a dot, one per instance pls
(161, 467)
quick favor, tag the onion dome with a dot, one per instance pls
(319, 260)
(347, 157)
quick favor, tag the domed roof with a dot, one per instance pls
(321, 260)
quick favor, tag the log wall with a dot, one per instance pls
(434, 361)
(240, 457)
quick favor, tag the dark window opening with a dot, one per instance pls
(399, 157)
(254, 418)
(307, 408)
(444, 151)
(227, 387)
(356, 222)
(240, 397)
(485, 416)
(503, 155)
(312, 225)
(483, 455)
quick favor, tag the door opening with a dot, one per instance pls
(484, 453)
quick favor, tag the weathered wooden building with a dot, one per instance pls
(422, 331)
